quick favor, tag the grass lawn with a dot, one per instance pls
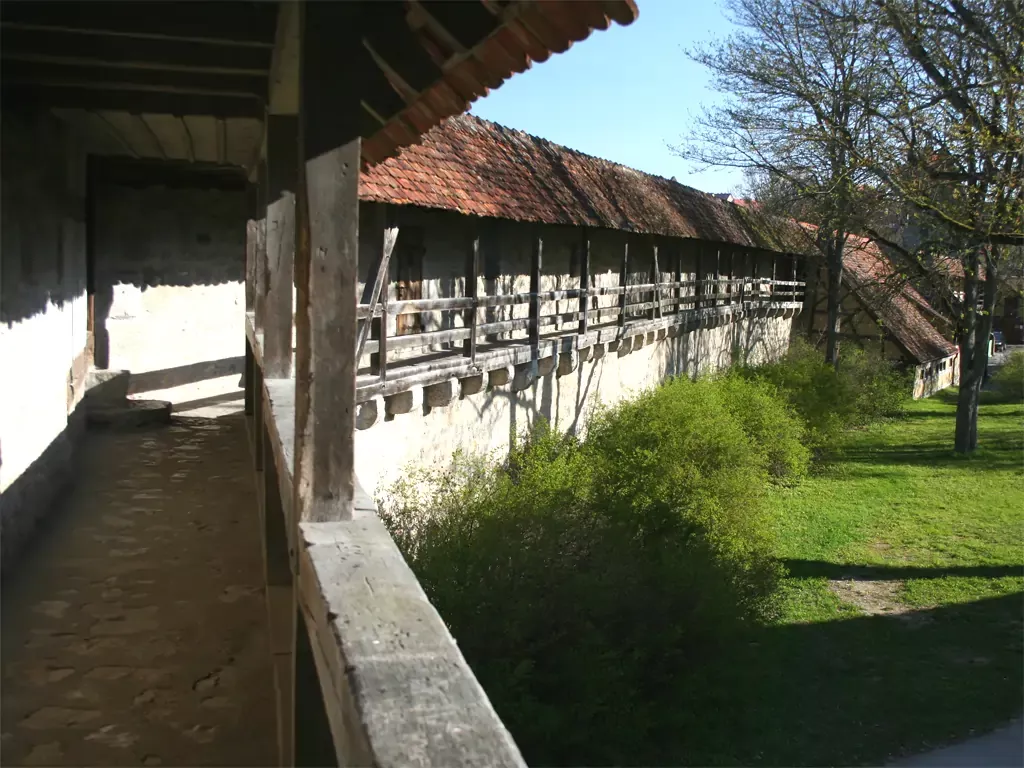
(902, 622)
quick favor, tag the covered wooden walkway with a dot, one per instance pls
(134, 631)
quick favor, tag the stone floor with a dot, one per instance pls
(134, 630)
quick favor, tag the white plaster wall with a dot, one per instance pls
(42, 288)
(488, 421)
(170, 274)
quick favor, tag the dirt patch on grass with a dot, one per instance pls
(878, 598)
(875, 598)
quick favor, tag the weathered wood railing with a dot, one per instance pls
(642, 308)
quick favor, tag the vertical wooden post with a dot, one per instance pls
(656, 279)
(772, 288)
(282, 162)
(326, 272)
(472, 292)
(379, 331)
(698, 289)
(623, 277)
(325, 404)
(260, 271)
(250, 301)
(535, 271)
(680, 292)
(584, 281)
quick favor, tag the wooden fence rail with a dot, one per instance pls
(646, 301)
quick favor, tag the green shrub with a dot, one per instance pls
(866, 388)
(1008, 380)
(588, 582)
(771, 423)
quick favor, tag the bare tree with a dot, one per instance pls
(801, 78)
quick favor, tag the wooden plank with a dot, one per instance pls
(623, 277)
(395, 680)
(535, 272)
(584, 280)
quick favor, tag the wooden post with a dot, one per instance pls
(379, 331)
(680, 292)
(584, 281)
(771, 290)
(698, 290)
(623, 277)
(326, 274)
(260, 271)
(282, 155)
(472, 291)
(535, 270)
(655, 278)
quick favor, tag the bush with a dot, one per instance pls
(1008, 380)
(587, 581)
(866, 388)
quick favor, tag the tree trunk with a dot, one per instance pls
(834, 257)
(973, 351)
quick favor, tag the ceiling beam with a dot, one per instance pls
(389, 37)
(465, 24)
(220, 23)
(37, 45)
(120, 78)
(133, 101)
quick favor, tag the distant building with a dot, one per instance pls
(881, 310)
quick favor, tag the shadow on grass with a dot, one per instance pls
(856, 691)
(814, 569)
(996, 452)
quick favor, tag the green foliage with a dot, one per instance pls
(866, 388)
(1008, 381)
(588, 582)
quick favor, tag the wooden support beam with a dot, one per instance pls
(656, 279)
(282, 181)
(106, 76)
(472, 292)
(535, 272)
(700, 288)
(623, 278)
(325, 404)
(584, 280)
(679, 290)
(395, 46)
(31, 43)
(260, 281)
(326, 271)
(211, 23)
(277, 321)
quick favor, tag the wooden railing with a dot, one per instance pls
(641, 308)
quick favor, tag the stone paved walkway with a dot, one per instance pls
(134, 631)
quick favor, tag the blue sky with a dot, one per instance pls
(623, 93)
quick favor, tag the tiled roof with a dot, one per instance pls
(893, 301)
(480, 168)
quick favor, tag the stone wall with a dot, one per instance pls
(43, 318)
(170, 295)
(488, 422)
